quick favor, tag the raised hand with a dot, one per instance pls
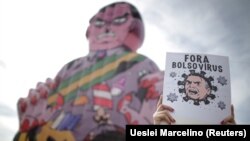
(162, 114)
(230, 119)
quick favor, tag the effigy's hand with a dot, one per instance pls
(44, 88)
(162, 114)
(229, 120)
(33, 109)
(153, 82)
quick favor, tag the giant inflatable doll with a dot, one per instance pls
(94, 97)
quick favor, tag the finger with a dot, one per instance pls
(33, 96)
(22, 105)
(168, 108)
(227, 120)
(167, 119)
(164, 107)
(160, 108)
(159, 101)
(232, 110)
(161, 117)
(228, 123)
(51, 83)
(42, 89)
(163, 114)
(170, 116)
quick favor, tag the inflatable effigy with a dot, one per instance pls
(94, 97)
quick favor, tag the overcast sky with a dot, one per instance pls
(39, 36)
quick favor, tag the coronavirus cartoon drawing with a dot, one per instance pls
(101, 92)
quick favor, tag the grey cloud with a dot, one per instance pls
(6, 134)
(243, 109)
(7, 111)
(202, 23)
(183, 23)
(2, 64)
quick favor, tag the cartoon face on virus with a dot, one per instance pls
(197, 87)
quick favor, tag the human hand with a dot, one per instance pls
(162, 114)
(229, 120)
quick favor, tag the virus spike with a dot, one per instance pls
(212, 96)
(184, 75)
(196, 102)
(192, 71)
(181, 90)
(211, 78)
(181, 83)
(214, 88)
(185, 98)
(206, 101)
(202, 73)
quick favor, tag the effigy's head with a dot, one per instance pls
(115, 25)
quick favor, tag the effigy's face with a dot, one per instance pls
(110, 27)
